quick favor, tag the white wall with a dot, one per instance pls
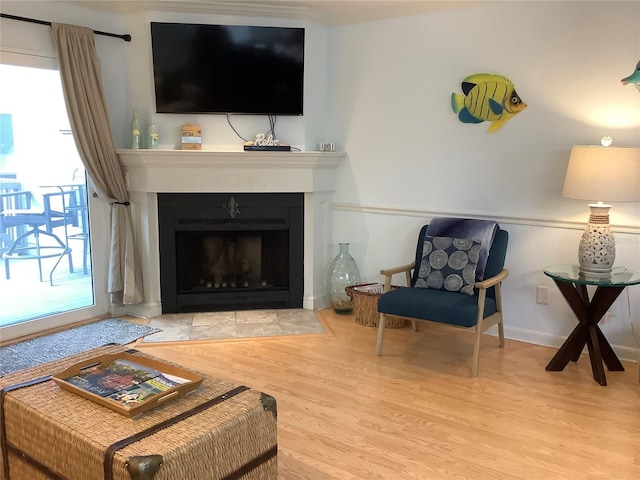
(391, 86)
(410, 158)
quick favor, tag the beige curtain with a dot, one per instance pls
(87, 110)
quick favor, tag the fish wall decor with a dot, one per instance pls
(634, 78)
(487, 97)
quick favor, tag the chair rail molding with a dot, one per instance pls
(503, 219)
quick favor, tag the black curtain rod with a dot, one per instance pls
(126, 37)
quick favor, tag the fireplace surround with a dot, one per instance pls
(230, 251)
(308, 174)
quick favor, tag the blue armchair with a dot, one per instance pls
(475, 302)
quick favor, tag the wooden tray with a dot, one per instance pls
(192, 382)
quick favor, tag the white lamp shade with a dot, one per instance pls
(596, 173)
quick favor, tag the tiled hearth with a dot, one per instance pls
(149, 172)
(234, 325)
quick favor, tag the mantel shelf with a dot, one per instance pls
(228, 171)
(180, 158)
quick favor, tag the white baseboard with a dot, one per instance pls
(539, 338)
(315, 303)
(139, 310)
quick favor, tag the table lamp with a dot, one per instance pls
(601, 173)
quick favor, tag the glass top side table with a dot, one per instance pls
(620, 276)
(573, 286)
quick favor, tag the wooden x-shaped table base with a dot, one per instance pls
(589, 313)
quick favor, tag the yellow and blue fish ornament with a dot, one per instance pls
(487, 97)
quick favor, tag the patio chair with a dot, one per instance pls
(37, 225)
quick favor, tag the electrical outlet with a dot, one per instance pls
(542, 295)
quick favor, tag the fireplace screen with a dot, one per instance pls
(232, 260)
(217, 258)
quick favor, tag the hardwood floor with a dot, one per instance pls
(415, 413)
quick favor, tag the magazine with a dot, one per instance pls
(137, 394)
(105, 379)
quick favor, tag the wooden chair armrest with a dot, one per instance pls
(395, 270)
(490, 282)
(390, 272)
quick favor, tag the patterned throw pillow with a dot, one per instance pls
(448, 264)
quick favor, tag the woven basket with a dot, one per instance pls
(365, 306)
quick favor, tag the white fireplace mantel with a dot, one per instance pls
(149, 172)
(242, 172)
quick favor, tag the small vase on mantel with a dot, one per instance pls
(135, 131)
(343, 272)
(152, 136)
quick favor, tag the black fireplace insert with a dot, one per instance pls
(231, 251)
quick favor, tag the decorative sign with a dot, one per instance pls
(263, 141)
(191, 137)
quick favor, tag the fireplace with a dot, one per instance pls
(231, 251)
(153, 172)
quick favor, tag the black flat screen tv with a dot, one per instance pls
(228, 69)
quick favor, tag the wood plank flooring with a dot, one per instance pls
(415, 413)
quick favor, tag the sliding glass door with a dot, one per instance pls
(46, 210)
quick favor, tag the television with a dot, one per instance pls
(228, 69)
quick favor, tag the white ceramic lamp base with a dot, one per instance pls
(597, 250)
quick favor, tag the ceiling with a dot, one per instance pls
(325, 12)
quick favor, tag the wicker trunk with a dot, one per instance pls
(220, 431)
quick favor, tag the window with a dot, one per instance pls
(42, 182)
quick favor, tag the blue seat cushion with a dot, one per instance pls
(434, 305)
